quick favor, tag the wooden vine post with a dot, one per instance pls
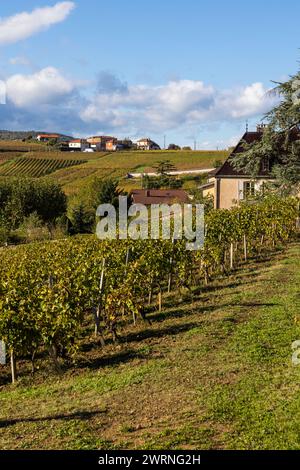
(127, 260)
(245, 248)
(52, 348)
(125, 274)
(99, 306)
(159, 300)
(231, 255)
(171, 269)
(13, 365)
(150, 295)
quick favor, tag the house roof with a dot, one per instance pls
(148, 142)
(104, 137)
(159, 196)
(228, 170)
(207, 185)
(49, 136)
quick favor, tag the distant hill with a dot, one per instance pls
(20, 135)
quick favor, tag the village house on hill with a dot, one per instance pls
(78, 145)
(147, 144)
(99, 142)
(114, 144)
(47, 137)
(228, 185)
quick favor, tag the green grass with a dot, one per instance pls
(102, 165)
(10, 151)
(120, 163)
(19, 146)
(214, 373)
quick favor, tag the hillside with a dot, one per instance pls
(100, 164)
(19, 135)
(37, 167)
(214, 373)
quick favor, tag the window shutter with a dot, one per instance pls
(257, 185)
(240, 190)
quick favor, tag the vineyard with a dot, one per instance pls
(58, 155)
(36, 167)
(49, 291)
(119, 164)
(4, 157)
(18, 146)
(75, 169)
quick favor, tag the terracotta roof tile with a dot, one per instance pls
(159, 196)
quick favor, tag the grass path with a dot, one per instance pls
(214, 373)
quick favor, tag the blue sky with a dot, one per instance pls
(187, 69)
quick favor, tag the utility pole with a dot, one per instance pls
(165, 141)
(195, 145)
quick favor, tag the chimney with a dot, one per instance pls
(261, 127)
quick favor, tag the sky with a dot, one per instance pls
(181, 70)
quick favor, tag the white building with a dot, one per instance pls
(147, 144)
(79, 145)
(97, 147)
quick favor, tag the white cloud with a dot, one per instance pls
(47, 86)
(245, 102)
(23, 25)
(178, 103)
(188, 107)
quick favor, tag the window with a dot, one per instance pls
(265, 164)
(248, 189)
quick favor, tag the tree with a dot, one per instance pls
(100, 191)
(175, 183)
(198, 198)
(280, 143)
(82, 209)
(149, 182)
(82, 220)
(21, 197)
(52, 144)
(218, 163)
(33, 229)
(174, 147)
(50, 199)
(164, 167)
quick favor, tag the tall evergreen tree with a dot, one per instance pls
(280, 143)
